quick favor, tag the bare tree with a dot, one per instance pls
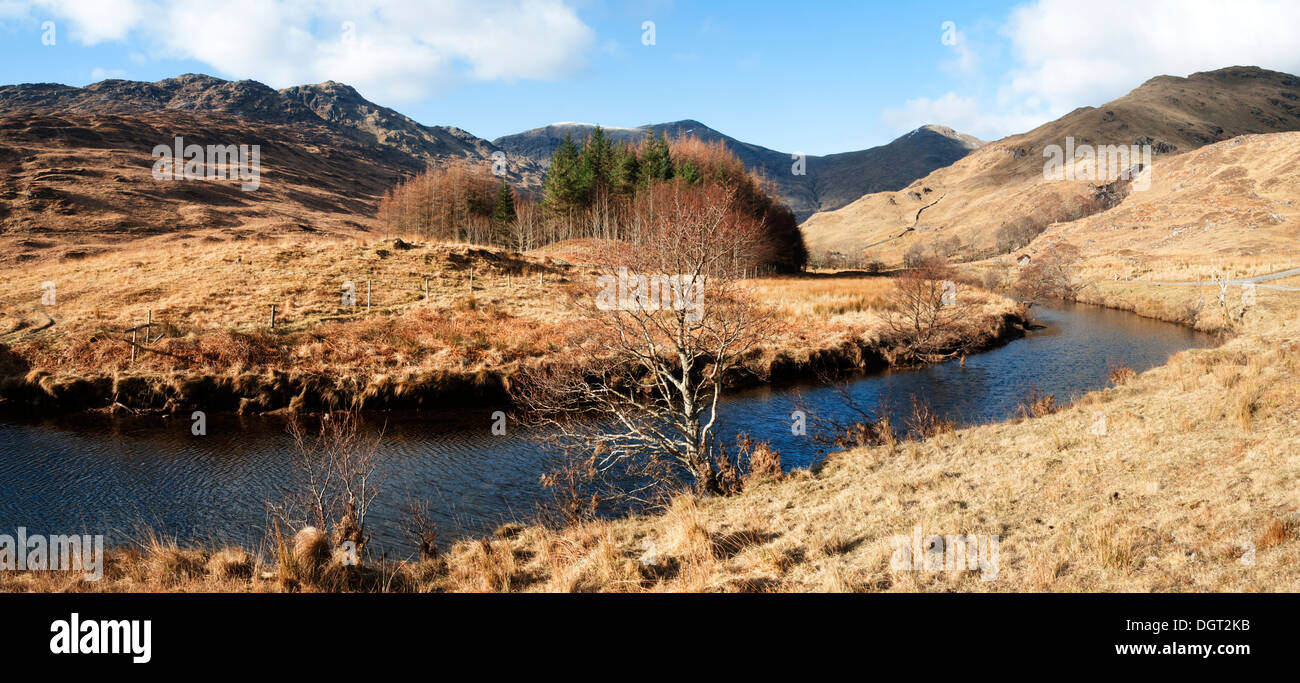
(924, 312)
(335, 469)
(1052, 274)
(669, 323)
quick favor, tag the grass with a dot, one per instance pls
(200, 318)
(1189, 487)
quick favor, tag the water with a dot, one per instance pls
(96, 474)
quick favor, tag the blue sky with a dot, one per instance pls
(811, 77)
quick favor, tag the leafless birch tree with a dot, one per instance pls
(670, 323)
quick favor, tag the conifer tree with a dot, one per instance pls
(627, 170)
(503, 215)
(656, 160)
(597, 160)
(687, 171)
(565, 190)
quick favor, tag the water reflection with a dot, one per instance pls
(97, 474)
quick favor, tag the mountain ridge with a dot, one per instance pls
(330, 103)
(830, 181)
(1002, 184)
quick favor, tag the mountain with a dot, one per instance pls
(336, 105)
(76, 163)
(1004, 185)
(1237, 200)
(828, 182)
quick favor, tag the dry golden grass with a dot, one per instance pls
(210, 307)
(1189, 487)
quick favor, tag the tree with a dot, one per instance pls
(656, 159)
(687, 171)
(503, 215)
(627, 170)
(1019, 232)
(565, 191)
(597, 161)
(449, 202)
(923, 312)
(914, 256)
(335, 478)
(1052, 274)
(667, 324)
(602, 190)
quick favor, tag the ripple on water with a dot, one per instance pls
(98, 474)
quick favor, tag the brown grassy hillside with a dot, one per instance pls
(1234, 203)
(75, 163)
(211, 343)
(1002, 182)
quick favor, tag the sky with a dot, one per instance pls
(802, 77)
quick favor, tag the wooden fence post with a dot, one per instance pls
(272, 316)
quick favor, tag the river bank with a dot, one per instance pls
(577, 554)
(430, 327)
(1176, 478)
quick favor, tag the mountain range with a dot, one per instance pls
(825, 183)
(1004, 184)
(75, 163)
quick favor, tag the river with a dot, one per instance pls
(116, 475)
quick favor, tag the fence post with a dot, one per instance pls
(148, 330)
(272, 316)
(471, 279)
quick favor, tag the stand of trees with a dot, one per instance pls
(597, 190)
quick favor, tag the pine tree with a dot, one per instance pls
(565, 189)
(687, 171)
(503, 215)
(656, 160)
(597, 160)
(627, 170)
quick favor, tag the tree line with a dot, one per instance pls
(599, 189)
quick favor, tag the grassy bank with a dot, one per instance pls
(189, 328)
(1189, 487)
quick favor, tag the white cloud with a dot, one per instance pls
(965, 59)
(392, 51)
(99, 73)
(1068, 54)
(1073, 54)
(12, 9)
(966, 114)
(93, 21)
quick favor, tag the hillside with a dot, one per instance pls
(1002, 183)
(76, 163)
(829, 181)
(1235, 202)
